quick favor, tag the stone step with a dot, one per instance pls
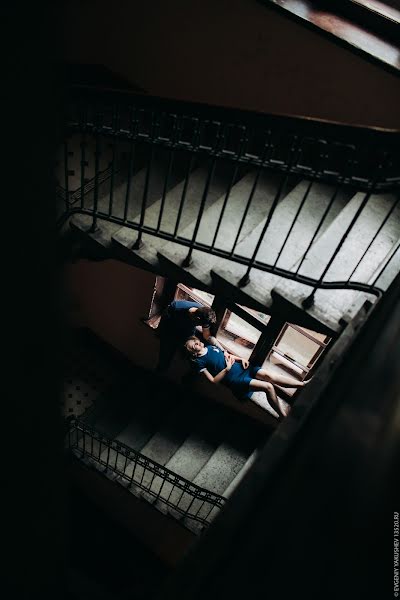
(190, 210)
(198, 273)
(164, 444)
(215, 476)
(187, 461)
(229, 274)
(393, 268)
(330, 306)
(237, 441)
(120, 194)
(209, 424)
(235, 482)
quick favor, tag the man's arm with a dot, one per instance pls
(211, 339)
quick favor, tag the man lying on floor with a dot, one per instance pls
(237, 374)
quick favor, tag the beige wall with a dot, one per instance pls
(232, 53)
(110, 297)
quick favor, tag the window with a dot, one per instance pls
(236, 335)
(184, 292)
(262, 317)
(297, 349)
(244, 331)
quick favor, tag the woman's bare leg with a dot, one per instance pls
(282, 380)
(268, 388)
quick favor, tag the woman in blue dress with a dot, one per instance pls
(236, 373)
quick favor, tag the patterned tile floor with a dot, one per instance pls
(86, 375)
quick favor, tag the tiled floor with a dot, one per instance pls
(86, 375)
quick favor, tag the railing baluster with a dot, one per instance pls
(108, 455)
(387, 261)
(174, 138)
(126, 462)
(145, 464)
(154, 127)
(134, 470)
(83, 165)
(96, 171)
(114, 143)
(395, 203)
(282, 186)
(187, 261)
(322, 156)
(328, 208)
(309, 301)
(148, 466)
(66, 174)
(242, 146)
(268, 147)
(133, 124)
(187, 177)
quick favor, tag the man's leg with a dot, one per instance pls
(168, 344)
(166, 353)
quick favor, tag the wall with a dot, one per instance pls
(110, 298)
(232, 53)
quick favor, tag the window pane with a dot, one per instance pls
(193, 295)
(297, 346)
(207, 298)
(237, 335)
(318, 336)
(264, 318)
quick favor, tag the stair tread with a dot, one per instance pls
(308, 219)
(330, 305)
(195, 188)
(357, 240)
(312, 211)
(236, 481)
(266, 189)
(169, 437)
(221, 469)
(218, 472)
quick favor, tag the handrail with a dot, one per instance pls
(363, 160)
(82, 93)
(163, 485)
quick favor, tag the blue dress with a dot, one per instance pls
(237, 378)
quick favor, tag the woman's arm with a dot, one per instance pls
(219, 376)
(244, 361)
(211, 339)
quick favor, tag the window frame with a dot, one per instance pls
(262, 350)
(311, 364)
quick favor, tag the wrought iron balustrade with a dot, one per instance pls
(127, 132)
(185, 498)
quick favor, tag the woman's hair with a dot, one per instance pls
(189, 350)
(206, 315)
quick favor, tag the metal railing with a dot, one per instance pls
(130, 132)
(158, 484)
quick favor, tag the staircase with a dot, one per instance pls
(294, 218)
(309, 217)
(198, 451)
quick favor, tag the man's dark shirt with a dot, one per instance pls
(180, 320)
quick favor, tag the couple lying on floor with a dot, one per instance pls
(178, 325)
(243, 379)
